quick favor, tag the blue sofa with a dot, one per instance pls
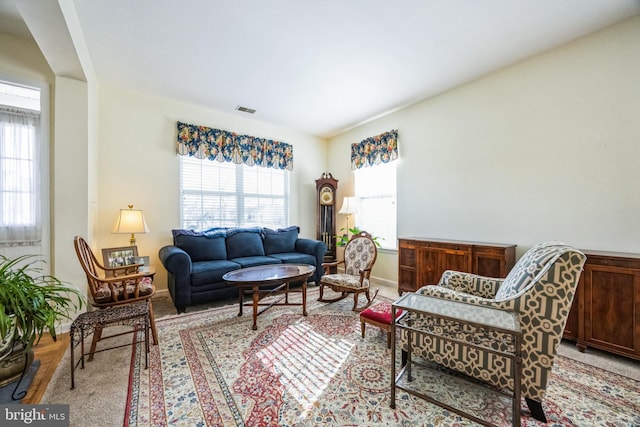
(197, 261)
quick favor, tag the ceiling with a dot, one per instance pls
(317, 67)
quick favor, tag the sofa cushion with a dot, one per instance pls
(250, 261)
(280, 241)
(201, 247)
(295, 258)
(244, 244)
(207, 272)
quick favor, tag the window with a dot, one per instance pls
(218, 194)
(20, 210)
(376, 192)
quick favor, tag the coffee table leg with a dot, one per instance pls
(304, 298)
(256, 300)
(286, 293)
(241, 300)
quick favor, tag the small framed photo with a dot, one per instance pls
(120, 257)
(144, 260)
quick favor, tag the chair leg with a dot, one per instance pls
(536, 409)
(152, 321)
(97, 335)
(321, 298)
(362, 327)
(369, 300)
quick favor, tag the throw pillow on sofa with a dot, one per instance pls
(280, 241)
(200, 246)
(244, 244)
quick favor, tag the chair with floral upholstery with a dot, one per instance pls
(114, 286)
(360, 254)
(540, 289)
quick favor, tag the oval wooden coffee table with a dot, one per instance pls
(254, 281)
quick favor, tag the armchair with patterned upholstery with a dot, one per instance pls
(540, 288)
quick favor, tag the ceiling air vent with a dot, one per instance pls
(245, 109)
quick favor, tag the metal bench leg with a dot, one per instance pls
(82, 348)
(73, 368)
(146, 343)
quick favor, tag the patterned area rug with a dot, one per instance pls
(211, 369)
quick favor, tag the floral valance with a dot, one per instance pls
(224, 146)
(375, 149)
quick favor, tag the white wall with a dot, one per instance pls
(545, 149)
(21, 61)
(138, 165)
(70, 183)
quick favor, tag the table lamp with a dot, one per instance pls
(349, 207)
(130, 221)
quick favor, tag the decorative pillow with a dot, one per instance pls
(244, 244)
(280, 241)
(527, 268)
(103, 294)
(201, 247)
(145, 287)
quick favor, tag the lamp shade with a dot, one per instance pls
(130, 221)
(349, 206)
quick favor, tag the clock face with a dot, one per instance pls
(326, 196)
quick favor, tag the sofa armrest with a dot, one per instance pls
(175, 260)
(473, 284)
(316, 248)
(178, 265)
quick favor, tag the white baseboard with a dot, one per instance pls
(162, 293)
(385, 282)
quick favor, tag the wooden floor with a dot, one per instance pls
(49, 353)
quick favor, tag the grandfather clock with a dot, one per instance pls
(326, 187)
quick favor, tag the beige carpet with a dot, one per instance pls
(101, 388)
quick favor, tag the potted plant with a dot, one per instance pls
(31, 304)
(342, 240)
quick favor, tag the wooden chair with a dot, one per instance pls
(114, 286)
(360, 254)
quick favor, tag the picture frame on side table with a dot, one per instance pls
(120, 257)
(144, 260)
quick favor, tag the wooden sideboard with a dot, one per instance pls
(606, 308)
(421, 261)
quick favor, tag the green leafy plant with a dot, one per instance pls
(342, 240)
(31, 303)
